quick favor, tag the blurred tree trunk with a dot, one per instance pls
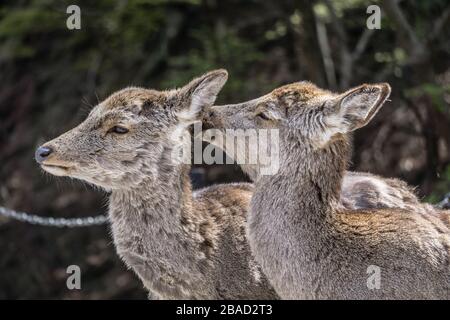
(307, 44)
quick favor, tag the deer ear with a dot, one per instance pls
(358, 106)
(202, 92)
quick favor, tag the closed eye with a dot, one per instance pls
(263, 116)
(118, 130)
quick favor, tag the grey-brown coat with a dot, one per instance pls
(182, 245)
(309, 245)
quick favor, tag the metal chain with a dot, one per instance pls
(98, 220)
(445, 203)
(53, 222)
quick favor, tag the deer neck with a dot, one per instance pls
(307, 187)
(151, 222)
(164, 196)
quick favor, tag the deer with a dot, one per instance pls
(359, 190)
(182, 244)
(308, 243)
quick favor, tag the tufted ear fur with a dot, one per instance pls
(356, 107)
(202, 92)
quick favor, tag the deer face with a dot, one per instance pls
(126, 137)
(316, 116)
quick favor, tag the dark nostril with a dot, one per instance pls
(42, 153)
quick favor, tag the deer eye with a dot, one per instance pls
(118, 130)
(262, 116)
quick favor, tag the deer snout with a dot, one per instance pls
(42, 153)
(50, 160)
(210, 119)
(207, 120)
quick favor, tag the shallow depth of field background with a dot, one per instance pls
(51, 76)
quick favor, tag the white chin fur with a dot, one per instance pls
(57, 171)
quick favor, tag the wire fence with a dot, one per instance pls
(54, 222)
(101, 219)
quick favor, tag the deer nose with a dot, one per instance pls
(208, 119)
(43, 153)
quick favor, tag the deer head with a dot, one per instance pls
(314, 116)
(126, 137)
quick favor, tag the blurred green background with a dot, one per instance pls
(51, 76)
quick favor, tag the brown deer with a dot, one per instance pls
(182, 244)
(308, 243)
(359, 190)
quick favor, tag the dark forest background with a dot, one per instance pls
(50, 76)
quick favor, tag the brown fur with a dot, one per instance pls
(182, 245)
(308, 243)
(359, 190)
